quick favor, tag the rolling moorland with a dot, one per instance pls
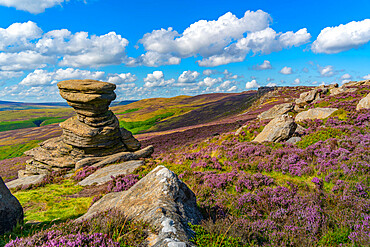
(314, 192)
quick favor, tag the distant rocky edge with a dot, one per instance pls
(160, 199)
(92, 137)
(282, 127)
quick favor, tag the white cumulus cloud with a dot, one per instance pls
(271, 84)
(32, 6)
(17, 36)
(24, 60)
(122, 78)
(366, 77)
(188, 76)
(252, 84)
(297, 81)
(209, 81)
(264, 41)
(286, 70)
(326, 71)
(156, 79)
(265, 65)
(343, 37)
(42, 77)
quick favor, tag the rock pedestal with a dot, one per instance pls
(94, 132)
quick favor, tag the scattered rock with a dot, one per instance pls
(276, 111)
(105, 174)
(306, 98)
(278, 129)
(315, 113)
(162, 200)
(357, 83)
(342, 89)
(25, 181)
(91, 137)
(299, 131)
(364, 103)
(293, 140)
(11, 211)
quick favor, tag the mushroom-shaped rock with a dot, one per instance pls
(316, 113)
(278, 129)
(276, 111)
(11, 211)
(364, 103)
(162, 200)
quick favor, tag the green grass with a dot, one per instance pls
(34, 122)
(128, 111)
(138, 126)
(321, 135)
(203, 238)
(7, 152)
(51, 202)
(52, 121)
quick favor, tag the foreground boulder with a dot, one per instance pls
(278, 129)
(276, 111)
(11, 211)
(364, 103)
(162, 200)
(93, 136)
(316, 113)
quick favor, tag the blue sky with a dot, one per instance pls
(168, 48)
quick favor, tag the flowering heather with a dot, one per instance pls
(316, 192)
(110, 229)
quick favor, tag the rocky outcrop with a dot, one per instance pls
(11, 211)
(312, 96)
(357, 83)
(25, 181)
(278, 129)
(342, 89)
(105, 174)
(162, 200)
(316, 113)
(276, 111)
(364, 103)
(91, 137)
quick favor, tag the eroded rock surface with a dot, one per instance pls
(91, 137)
(278, 129)
(11, 211)
(364, 103)
(162, 200)
(25, 181)
(316, 113)
(276, 111)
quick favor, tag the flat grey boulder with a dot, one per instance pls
(293, 140)
(316, 113)
(276, 111)
(162, 200)
(105, 174)
(11, 211)
(25, 181)
(278, 129)
(364, 103)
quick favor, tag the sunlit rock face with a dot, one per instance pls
(94, 132)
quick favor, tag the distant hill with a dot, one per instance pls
(10, 105)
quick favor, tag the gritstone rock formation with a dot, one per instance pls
(90, 137)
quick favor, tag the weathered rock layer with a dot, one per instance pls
(93, 133)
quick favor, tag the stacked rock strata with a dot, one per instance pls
(93, 133)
